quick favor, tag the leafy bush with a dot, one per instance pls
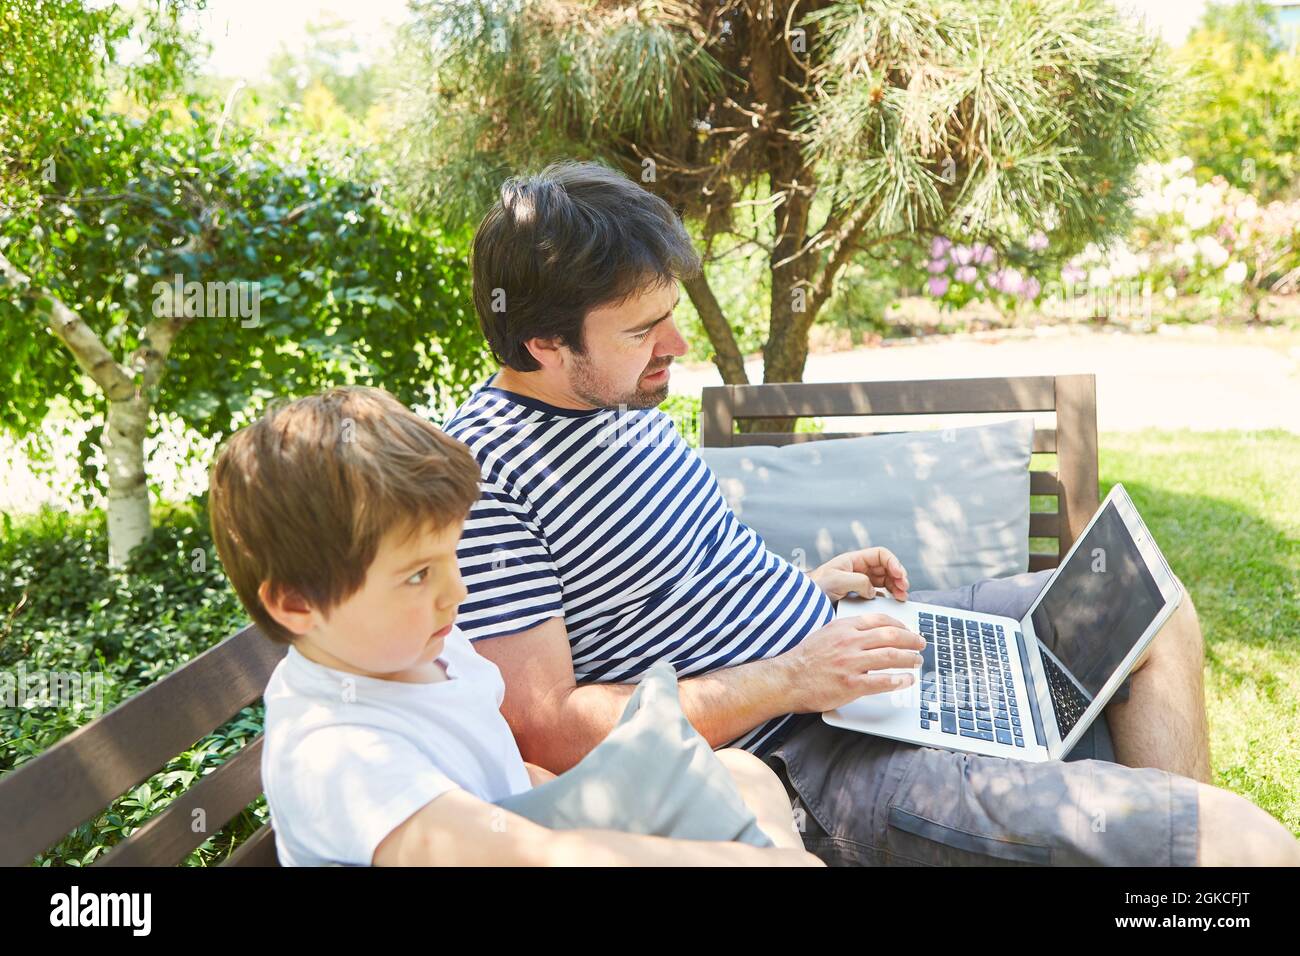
(1240, 116)
(1208, 239)
(63, 610)
(862, 294)
(958, 273)
(348, 288)
(1188, 238)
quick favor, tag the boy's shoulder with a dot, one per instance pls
(346, 758)
(316, 715)
(305, 700)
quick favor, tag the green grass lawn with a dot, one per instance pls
(1225, 509)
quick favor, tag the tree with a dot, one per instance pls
(1246, 25)
(817, 132)
(187, 267)
(1240, 116)
(333, 59)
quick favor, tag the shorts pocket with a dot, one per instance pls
(955, 846)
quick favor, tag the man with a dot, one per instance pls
(602, 544)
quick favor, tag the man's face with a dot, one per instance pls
(628, 350)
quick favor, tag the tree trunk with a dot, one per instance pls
(129, 524)
(726, 352)
(128, 405)
(793, 306)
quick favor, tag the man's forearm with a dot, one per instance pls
(727, 703)
(721, 705)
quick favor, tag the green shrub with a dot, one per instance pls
(62, 609)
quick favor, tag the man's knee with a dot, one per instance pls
(1180, 635)
(1232, 831)
(1185, 605)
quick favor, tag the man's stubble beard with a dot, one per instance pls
(593, 389)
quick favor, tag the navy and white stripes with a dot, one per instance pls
(607, 519)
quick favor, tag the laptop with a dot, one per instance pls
(1027, 689)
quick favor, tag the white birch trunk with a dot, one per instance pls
(129, 406)
(129, 523)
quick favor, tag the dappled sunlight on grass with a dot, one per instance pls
(1225, 509)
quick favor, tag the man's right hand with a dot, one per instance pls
(839, 662)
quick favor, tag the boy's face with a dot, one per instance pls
(401, 616)
(628, 349)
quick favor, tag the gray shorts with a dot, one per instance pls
(869, 801)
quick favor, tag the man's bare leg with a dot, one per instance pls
(764, 794)
(1163, 723)
(1232, 831)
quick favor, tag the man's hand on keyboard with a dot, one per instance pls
(844, 660)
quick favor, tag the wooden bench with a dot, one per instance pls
(1073, 399)
(52, 794)
(72, 782)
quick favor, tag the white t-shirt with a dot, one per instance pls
(347, 758)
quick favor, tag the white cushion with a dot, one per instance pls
(953, 505)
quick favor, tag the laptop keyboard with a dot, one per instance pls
(966, 684)
(1067, 700)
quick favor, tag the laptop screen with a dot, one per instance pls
(1100, 604)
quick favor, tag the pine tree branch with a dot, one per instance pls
(844, 244)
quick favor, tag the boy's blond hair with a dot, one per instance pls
(302, 497)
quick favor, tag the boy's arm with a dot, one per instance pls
(457, 829)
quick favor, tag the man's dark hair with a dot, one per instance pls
(564, 241)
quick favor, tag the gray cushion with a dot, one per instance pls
(654, 774)
(952, 504)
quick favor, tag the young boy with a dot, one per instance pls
(337, 519)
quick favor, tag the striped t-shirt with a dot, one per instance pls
(608, 519)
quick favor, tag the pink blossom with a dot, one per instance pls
(1037, 242)
(1007, 280)
(939, 247)
(982, 254)
(962, 255)
(1031, 288)
(937, 265)
(966, 274)
(938, 286)
(1070, 273)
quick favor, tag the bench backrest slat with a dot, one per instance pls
(1044, 438)
(257, 850)
(173, 832)
(1072, 398)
